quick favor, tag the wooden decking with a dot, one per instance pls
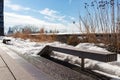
(10, 70)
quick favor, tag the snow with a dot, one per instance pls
(90, 46)
(32, 48)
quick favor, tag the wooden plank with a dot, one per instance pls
(5, 74)
(2, 64)
(17, 71)
(27, 63)
(100, 56)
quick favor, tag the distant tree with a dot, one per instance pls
(51, 31)
(26, 30)
(57, 31)
(42, 30)
(46, 31)
(23, 28)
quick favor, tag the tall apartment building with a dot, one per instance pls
(1, 17)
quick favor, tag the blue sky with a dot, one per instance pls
(50, 14)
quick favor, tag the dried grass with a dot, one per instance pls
(101, 22)
(41, 37)
(73, 40)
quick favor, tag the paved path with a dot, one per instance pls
(17, 67)
(10, 70)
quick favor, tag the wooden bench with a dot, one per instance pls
(95, 55)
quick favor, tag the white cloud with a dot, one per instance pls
(15, 7)
(73, 28)
(48, 12)
(15, 19)
(6, 1)
(48, 18)
(12, 19)
(52, 15)
(72, 18)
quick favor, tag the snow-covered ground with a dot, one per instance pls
(32, 48)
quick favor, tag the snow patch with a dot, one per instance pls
(91, 46)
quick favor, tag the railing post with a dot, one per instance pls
(82, 63)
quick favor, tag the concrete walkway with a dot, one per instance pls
(10, 70)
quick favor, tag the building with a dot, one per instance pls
(10, 31)
(1, 17)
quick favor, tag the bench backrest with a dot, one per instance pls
(99, 56)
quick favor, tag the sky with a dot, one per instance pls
(48, 14)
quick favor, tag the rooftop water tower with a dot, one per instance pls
(1, 17)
